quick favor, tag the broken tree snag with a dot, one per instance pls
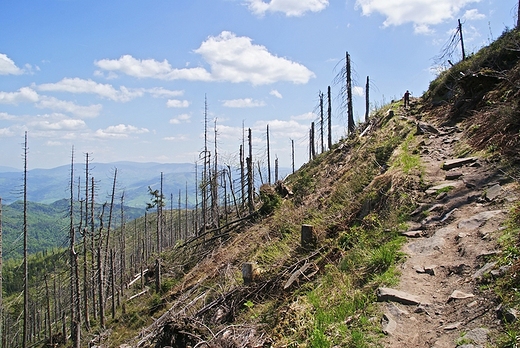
(308, 237)
(157, 275)
(247, 273)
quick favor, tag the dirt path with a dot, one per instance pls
(449, 246)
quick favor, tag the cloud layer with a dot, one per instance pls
(231, 58)
(422, 13)
(291, 8)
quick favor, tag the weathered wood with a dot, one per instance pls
(247, 273)
(301, 272)
(137, 295)
(308, 237)
(137, 277)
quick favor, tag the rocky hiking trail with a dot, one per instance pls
(440, 301)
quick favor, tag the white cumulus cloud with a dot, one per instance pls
(291, 8)
(8, 67)
(151, 68)
(236, 59)
(421, 13)
(23, 95)
(77, 85)
(243, 103)
(66, 124)
(275, 93)
(184, 118)
(473, 14)
(175, 103)
(70, 107)
(119, 131)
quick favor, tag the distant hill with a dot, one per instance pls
(50, 185)
(47, 225)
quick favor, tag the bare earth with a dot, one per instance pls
(449, 251)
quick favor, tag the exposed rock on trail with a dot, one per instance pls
(459, 218)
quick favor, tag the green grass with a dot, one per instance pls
(406, 159)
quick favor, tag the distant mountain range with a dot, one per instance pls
(133, 179)
(50, 185)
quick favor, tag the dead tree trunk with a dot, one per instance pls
(243, 166)
(367, 99)
(329, 117)
(25, 263)
(214, 184)
(48, 314)
(92, 248)
(86, 317)
(74, 288)
(100, 271)
(313, 142)
(350, 113)
(292, 155)
(122, 279)
(518, 15)
(250, 183)
(462, 41)
(268, 159)
(276, 169)
(322, 123)
(157, 275)
(1, 284)
(112, 284)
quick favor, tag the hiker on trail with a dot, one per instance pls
(406, 99)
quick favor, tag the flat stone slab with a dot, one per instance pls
(453, 175)
(427, 246)
(493, 192)
(458, 162)
(453, 326)
(435, 189)
(478, 220)
(388, 324)
(459, 295)
(412, 234)
(478, 335)
(392, 295)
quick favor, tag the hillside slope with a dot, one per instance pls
(421, 200)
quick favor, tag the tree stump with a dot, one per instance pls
(247, 273)
(308, 237)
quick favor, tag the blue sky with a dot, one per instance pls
(127, 80)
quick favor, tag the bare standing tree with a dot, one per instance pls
(350, 113)
(329, 118)
(25, 264)
(74, 275)
(367, 99)
(1, 284)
